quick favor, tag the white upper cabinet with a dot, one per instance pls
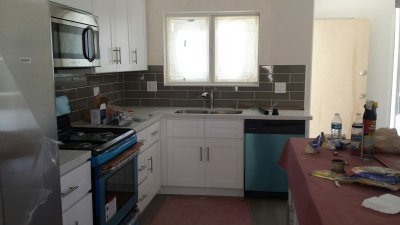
(138, 43)
(85, 5)
(122, 35)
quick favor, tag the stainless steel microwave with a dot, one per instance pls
(75, 37)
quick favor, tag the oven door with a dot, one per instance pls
(116, 188)
(74, 44)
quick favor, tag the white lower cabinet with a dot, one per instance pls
(149, 165)
(224, 164)
(80, 213)
(201, 161)
(185, 162)
(76, 199)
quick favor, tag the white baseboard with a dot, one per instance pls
(201, 191)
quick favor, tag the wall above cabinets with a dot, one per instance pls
(122, 25)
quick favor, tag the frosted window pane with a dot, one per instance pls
(236, 49)
(187, 49)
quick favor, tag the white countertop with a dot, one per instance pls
(71, 159)
(145, 116)
(150, 115)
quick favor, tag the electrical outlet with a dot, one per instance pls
(280, 87)
(152, 86)
(96, 90)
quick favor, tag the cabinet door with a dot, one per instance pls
(80, 213)
(154, 169)
(121, 34)
(185, 162)
(224, 163)
(104, 9)
(138, 45)
(223, 129)
(185, 128)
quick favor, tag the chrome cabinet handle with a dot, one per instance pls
(116, 55)
(362, 96)
(151, 164)
(155, 132)
(208, 154)
(119, 53)
(135, 52)
(69, 191)
(201, 154)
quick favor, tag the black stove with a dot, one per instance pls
(92, 139)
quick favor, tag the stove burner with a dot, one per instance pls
(79, 133)
(85, 145)
(107, 134)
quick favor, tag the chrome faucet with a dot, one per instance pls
(210, 95)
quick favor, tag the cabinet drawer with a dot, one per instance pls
(80, 213)
(224, 129)
(75, 185)
(153, 133)
(142, 167)
(143, 195)
(185, 128)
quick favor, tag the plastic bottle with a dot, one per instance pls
(357, 131)
(336, 127)
(369, 120)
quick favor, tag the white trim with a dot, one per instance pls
(395, 87)
(211, 75)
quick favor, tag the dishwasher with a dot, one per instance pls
(264, 143)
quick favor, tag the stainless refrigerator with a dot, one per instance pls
(29, 169)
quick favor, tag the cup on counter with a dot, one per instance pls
(338, 165)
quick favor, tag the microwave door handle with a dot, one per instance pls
(94, 39)
(84, 43)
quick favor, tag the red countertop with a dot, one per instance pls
(319, 201)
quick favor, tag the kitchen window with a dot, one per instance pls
(211, 49)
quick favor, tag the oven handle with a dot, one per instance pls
(122, 159)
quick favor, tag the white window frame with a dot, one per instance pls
(211, 79)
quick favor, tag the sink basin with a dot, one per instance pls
(222, 111)
(192, 111)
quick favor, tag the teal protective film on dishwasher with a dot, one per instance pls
(262, 152)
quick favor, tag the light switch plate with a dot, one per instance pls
(152, 86)
(96, 90)
(280, 87)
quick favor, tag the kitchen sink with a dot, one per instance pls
(196, 111)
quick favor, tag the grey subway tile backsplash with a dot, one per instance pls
(79, 90)
(130, 89)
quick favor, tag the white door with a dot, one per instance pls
(185, 159)
(339, 68)
(138, 44)
(121, 34)
(104, 10)
(154, 162)
(224, 163)
(80, 213)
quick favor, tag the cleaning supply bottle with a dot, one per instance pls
(357, 132)
(369, 121)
